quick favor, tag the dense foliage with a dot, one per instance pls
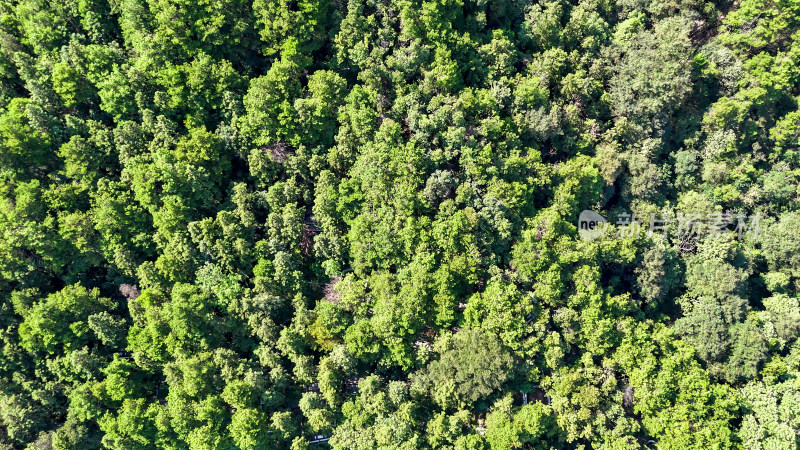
(232, 224)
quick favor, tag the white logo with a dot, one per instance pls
(591, 225)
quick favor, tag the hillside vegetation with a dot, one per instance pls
(228, 224)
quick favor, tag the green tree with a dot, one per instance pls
(472, 366)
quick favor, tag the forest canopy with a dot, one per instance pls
(356, 224)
